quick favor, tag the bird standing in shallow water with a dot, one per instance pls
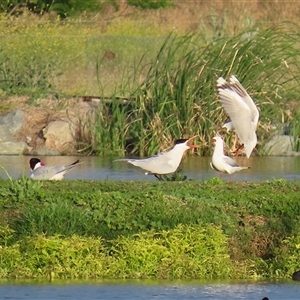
(242, 111)
(164, 162)
(39, 171)
(221, 162)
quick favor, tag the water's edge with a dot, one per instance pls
(195, 168)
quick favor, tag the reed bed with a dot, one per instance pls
(174, 95)
(159, 88)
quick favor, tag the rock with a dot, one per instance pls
(60, 135)
(13, 120)
(280, 145)
(44, 151)
(13, 148)
(10, 124)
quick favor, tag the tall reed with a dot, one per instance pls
(177, 97)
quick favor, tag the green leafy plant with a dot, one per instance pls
(140, 223)
(22, 191)
(178, 253)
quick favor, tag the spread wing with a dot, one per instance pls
(241, 91)
(239, 113)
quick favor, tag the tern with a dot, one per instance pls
(164, 162)
(221, 162)
(39, 171)
(241, 109)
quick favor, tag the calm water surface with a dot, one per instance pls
(131, 290)
(196, 168)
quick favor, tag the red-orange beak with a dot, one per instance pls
(193, 146)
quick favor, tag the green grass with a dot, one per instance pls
(177, 95)
(149, 229)
(166, 83)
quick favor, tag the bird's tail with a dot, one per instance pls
(74, 163)
(244, 168)
(122, 159)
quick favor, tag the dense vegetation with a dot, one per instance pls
(159, 80)
(211, 229)
(166, 88)
(64, 8)
(67, 8)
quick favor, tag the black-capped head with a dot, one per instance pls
(180, 141)
(35, 163)
(184, 142)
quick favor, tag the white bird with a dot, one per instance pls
(241, 109)
(39, 171)
(221, 162)
(164, 162)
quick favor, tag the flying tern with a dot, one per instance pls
(221, 162)
(165, 162)
(39, 171)
(241, 109)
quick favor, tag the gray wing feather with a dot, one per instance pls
(230, 161)
(47, 172)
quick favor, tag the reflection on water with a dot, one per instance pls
(196, 168)
(131, 290)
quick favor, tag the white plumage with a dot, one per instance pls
(241, 109)
(221, 162)
(164, 162)
(39, 171)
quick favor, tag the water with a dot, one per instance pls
(196, 168)
(131, 290)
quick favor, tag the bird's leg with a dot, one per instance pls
(158, 176)
(238, 149)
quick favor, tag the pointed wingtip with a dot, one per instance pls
(121, 159)
(233, 79)
(221, 81)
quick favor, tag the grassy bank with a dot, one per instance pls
(86, 229)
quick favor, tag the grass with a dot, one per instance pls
(166, 82)
(149, 229)
(176, 95)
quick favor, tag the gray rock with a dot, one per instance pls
(13, 120)
(10, 124)
(13, 148)
(60, 135)
(44, 151)
(280, 145)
